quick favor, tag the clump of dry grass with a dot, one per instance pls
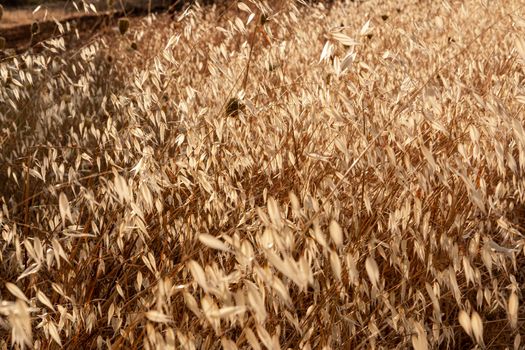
(368, 194)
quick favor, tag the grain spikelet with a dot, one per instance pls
(209, 306)
(243, 7)
(256, 302)
(228, 344)
(469, 271)
(63, 205)
(348, 60)
(111, 311)
(33, 268)
(53, 331)
(294, 201)
(464, 321)
(454, 284)
(13, 289)
(198, 274)
(274, 212)
(240, 25)
(513, 305)
(336, 233)
(44, 300)
(185, 341)
(353, 273)
(19, 320)
(336, 265)
(122, 188)
(327, 51)
(318, 234)
(366, 28)
(213, 242)
(265, 337)
(477, 327)
(227, 311)
(157, 316)
(139, 280)
(252, 339)
(58, 251)
(434, 298)
(191, 303)
(281, 290)
(344, 39)
(419, 340)
(297, 272)
(372, 270)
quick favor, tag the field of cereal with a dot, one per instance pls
(269, 175)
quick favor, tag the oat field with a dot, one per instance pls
(269, 175)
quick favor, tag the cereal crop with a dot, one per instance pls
(269, 175)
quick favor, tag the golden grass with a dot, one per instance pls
(348, 177)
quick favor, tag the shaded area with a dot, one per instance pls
(21, 38)
(25, 35)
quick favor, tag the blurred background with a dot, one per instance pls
(18, 12)
(103, 3)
